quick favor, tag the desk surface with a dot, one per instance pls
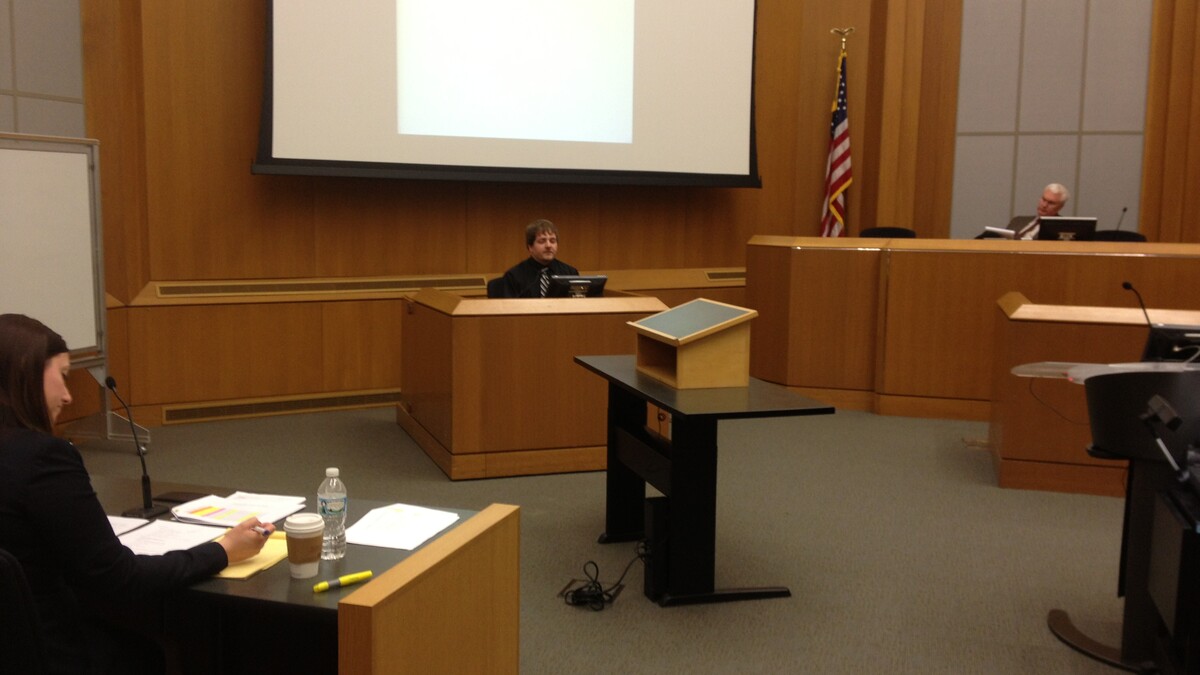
(758, 399)
(275, 584)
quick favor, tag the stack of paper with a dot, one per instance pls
(160, 536)
(399, 526)
(231, 510)
(122, 524)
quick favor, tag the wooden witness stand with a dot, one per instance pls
(1039, 432)
(489, 387)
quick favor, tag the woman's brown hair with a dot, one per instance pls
(25, 346)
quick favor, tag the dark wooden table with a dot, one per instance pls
(269, 622)
(681, 543)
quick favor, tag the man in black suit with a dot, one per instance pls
(1054, 198)
(530, 277)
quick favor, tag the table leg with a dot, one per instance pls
(693, 519)
(625, 491)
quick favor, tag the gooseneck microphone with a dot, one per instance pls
(1129, 287)
(1121, 219)
(148, 509)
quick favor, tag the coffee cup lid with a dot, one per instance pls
(303, 523)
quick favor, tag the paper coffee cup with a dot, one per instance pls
(304, 532)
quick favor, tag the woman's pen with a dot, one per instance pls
(342, 581)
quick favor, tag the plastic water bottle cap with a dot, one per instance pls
(331, 472)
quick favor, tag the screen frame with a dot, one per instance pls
(265, 163)
(1084, 228)
(560, 285)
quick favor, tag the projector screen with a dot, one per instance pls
(578, 91)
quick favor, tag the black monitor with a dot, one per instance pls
(1060, 228)
(1172, 343)
(576, 286)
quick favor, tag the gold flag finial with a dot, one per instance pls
(842, 33)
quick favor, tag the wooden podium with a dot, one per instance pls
(1039, 426)
(697, 345)
(489, 388)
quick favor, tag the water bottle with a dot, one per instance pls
(331, 504)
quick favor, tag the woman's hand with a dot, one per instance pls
(245, 539)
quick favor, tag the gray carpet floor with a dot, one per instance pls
(901, 553)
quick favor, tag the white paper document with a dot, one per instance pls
(231, 510)
(160, 536)
(121, 524)
(400, 526)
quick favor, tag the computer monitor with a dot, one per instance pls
(1060, 228)
(576, 286)
(1172, 343)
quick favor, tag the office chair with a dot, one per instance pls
(21, 644)
(496, 288)
(888, 232)
(1118, 235)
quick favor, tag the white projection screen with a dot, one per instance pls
(576, 91)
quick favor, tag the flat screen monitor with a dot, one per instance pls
(576, 286)
(1060, 228)
(1172, 343)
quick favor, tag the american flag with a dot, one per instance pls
(837, 166)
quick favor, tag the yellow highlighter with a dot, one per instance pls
(342, 581)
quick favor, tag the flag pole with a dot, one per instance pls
(838, 176)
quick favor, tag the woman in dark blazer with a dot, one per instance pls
(52, 521)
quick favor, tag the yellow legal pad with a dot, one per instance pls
(272, 552)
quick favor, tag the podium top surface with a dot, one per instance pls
(758, 399)
(692, 321)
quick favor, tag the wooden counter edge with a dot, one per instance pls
(457, 305)
(1018, 308)
(376, 622)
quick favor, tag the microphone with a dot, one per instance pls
(1123, 210)
(148, 509)
(1129, 287)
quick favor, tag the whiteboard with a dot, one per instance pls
(50, 253)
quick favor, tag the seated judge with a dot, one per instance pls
(531, 277)
(53, 524)
(1054, 198)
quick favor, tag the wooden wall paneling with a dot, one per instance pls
(381, 227)
(361, 345)
(1171, 156)
(427, 354)
(673, 297)
(210, 218)
(497, 214)
(113, 88)
(810, 99)
(642, 227)
(783, 83)
(917, 114)
(117, 323)
(934, 153)
(219, 352)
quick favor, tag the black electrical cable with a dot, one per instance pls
(593, 594)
